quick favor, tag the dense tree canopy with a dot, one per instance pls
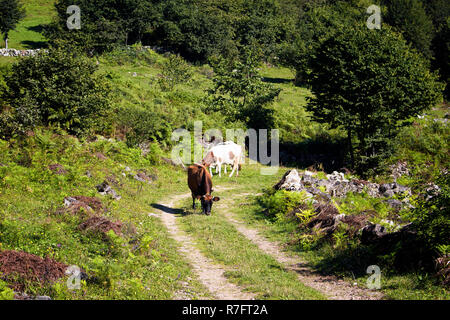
(367, 82)
(58, 87)
(410, 17)
(11, 12)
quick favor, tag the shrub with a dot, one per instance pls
(432, 217)
(5, 292)
(279, 203)
(175, 70)
(59, 87)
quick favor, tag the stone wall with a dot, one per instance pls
(17, 53)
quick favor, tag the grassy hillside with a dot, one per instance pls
(27, 34)
(135, 80)
(42, 173)
(36, 176)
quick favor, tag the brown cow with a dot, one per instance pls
(200, 183)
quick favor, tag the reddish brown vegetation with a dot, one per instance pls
(102, 225)
(57, 169)
(88, 204)
(19, 268)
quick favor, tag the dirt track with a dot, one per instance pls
(212, 275)
(333, 288)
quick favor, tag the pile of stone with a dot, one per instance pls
(105, 189)
(17, 53)
(399, 169)
(336, 185)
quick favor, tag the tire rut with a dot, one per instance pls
(209, 274)
(330, 286)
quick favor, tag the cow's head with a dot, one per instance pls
(207, 202)
(209, 159)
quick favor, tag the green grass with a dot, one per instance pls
(247, 265)
(349, 265)
(28, 33)
(30, 195)
(7, 61)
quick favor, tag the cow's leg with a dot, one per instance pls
(193, 202)
(220, 169)
(225, 168)
(210, 170)
(234, 169)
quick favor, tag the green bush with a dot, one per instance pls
(279, 203)
(5, 292)
(56, 87)
(432, 217)
(174, 71)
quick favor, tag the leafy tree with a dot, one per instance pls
(104, 23)
(196, 29)
(174, 71)
(369, 82)
(439, 11)
(11, 12)
(410, 17)
(58, 87)
(239, 92)
(317, 21)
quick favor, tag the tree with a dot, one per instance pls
(11, 12)
(369, 82)
(105, 23)
(239, 92)
(439, 11)
(58, 87)
(410, 17)
(316, 22)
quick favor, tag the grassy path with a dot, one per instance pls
(245, 263)
(232, 258)
(211, 275)
(333, 288)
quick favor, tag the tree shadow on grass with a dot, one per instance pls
(34, 44)
(277, 80)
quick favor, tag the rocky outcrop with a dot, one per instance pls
(105, 189)
(336, 185)
(399, 169)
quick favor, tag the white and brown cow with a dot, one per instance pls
(223, 154)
